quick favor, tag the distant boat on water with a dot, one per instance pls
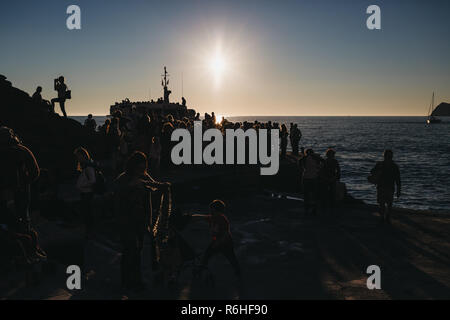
(431, 113)
(162, 105)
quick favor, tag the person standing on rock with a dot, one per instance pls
(61, 88)
(386, 175)
(37, 98)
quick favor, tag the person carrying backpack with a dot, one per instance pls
(63, 95)
(386, 175)
(86, 183)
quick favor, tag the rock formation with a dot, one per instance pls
(51, 138)
(442, 110)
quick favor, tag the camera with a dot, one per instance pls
(59, 80)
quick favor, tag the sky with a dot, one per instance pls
(236, 58)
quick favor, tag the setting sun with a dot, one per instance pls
(218, 65)
(219, 118)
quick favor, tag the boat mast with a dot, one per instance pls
(430, 109)
(432, 103)
(165, 83)
(165, 80)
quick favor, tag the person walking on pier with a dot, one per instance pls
(386, 175)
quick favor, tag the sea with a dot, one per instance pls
(422, 152)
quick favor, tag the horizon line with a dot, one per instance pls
(242, 116)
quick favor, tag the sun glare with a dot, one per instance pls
(218, 65)
(219, 118)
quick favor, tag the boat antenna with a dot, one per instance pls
(165, 78)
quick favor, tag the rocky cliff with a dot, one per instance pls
(51, 138)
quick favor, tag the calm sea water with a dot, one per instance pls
(422, 152)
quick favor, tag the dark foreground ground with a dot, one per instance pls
(284, 255)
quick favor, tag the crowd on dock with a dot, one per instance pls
(151, 133)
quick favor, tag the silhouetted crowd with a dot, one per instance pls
(63, 94)
(150, 132)
(138, 146)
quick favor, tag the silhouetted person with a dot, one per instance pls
(222, 242)
(104, 129)
(387, 178)
(155, 156)
(295, 136)
(291, 130)
(132, 202)
(167, 93)
(113, 140)
(310, 166)
(37, 97)
(166, 144)
(284, 140)
(85, 185)
(90, 123)
(183, 101)
(134, 118)
(61, 88)
(19, 170)
(330, 173)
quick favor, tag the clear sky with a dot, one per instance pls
(237, 57)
